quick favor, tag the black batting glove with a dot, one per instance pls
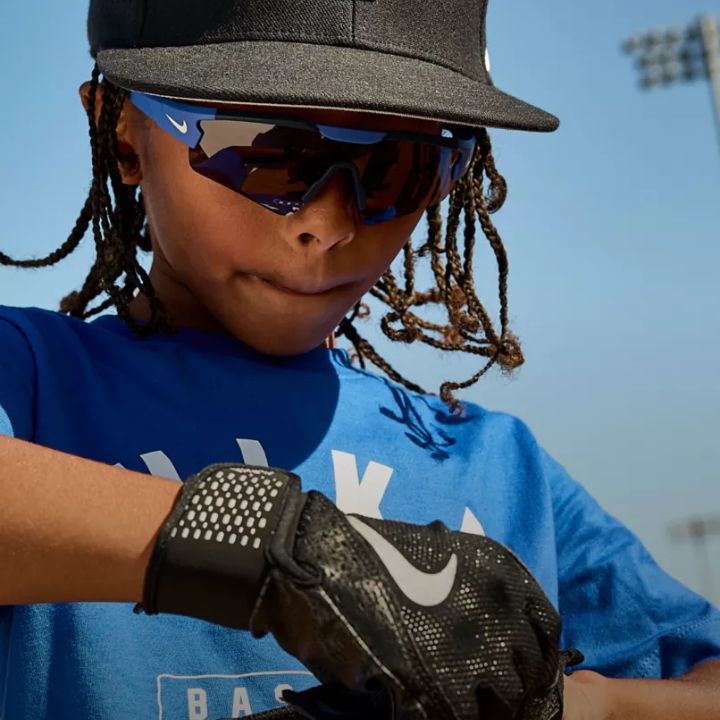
(450, 626)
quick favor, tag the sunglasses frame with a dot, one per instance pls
(182, 121)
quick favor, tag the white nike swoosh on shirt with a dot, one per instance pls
(427, 589)
(182, 128)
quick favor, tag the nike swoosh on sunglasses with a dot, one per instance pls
(283, 163)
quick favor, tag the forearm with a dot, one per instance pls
(72, 529)
(591, 696)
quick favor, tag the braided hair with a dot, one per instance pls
(120, 229)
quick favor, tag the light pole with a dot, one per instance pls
(680, 54)
(698, 529)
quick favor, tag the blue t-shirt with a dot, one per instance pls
(170, 405)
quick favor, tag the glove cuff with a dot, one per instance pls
(210, 558)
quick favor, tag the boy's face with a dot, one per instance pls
(223, 263)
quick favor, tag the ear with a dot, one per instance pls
(84, 91)
(128, 159)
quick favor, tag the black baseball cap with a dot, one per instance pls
(421, 58)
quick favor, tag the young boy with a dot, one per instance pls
(285, 152)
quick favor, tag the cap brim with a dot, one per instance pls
(322, 76)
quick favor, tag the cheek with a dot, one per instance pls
(388, 240)
(202, 228)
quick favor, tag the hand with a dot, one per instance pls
(585, 696)
(451, 625)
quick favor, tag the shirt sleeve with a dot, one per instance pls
(17, 382)
(618, 607)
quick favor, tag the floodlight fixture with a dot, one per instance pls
(680, 54)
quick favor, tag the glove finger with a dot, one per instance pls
(333, 701)
(540, 663)
(549, 704)
(491, 704)
(282, 713)
(569, 657)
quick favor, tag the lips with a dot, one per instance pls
(307, 292)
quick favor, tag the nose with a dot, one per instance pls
(331, 218)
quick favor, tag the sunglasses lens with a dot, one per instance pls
(255, 159)
(407, 176)
(276, 166)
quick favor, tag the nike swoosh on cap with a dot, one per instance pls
(427, 589)
(181, 128)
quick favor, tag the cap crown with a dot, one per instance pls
(450, 33)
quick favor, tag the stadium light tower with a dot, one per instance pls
(680, 54)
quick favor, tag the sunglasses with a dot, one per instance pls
(282, 163)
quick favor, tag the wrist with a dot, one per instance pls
(170, 498)
(588, 695)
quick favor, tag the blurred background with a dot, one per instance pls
(611, 224)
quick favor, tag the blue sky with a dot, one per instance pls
(611, 225)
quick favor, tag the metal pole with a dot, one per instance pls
(711, 46)
(699, 534)
(699, 530)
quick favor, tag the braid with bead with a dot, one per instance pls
(120, 230)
